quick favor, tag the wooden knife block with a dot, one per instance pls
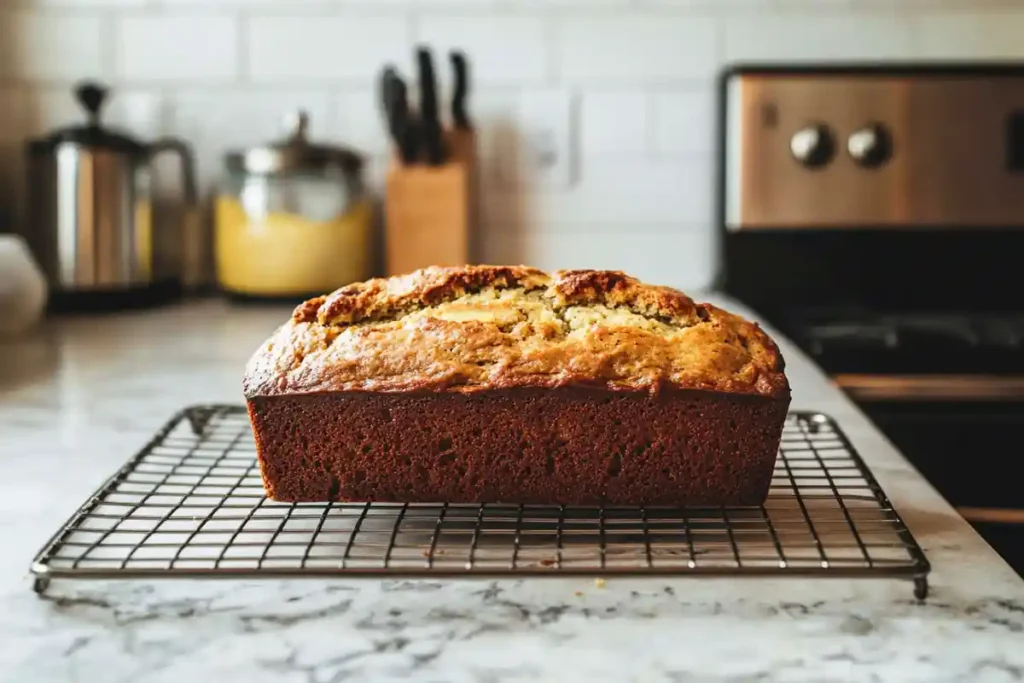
(429, 211)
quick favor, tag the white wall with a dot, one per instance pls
(633, 77)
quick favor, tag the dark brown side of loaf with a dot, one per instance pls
(570, 446)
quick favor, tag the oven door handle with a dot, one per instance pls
(931, 387)
(1012, 516)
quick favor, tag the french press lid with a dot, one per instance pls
(91, 96)
(294, 153)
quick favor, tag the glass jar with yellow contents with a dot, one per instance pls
(292, 219)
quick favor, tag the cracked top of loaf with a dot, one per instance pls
(474, 328)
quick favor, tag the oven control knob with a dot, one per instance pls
(813, 146)
(871, 146)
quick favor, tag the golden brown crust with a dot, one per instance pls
(385, 297)
(476, 328)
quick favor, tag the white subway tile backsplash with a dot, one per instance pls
(732, 5)
(192, 48)
(359, 121)
(252, 4)
(573, 4)
(990, 34)
(51, 47)
(626, 86)
(614, 123)
(325, 48)
(144, 113)
(613, 191)
(497, 5)
(493, 114)
(684, 122)
(635, 49)
(801, 37)
(500, 49)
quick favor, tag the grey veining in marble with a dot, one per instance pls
(80, 396)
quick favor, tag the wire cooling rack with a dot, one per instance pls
(191, 504)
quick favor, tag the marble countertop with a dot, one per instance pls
(81, 395)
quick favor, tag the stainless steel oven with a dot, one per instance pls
(875, 214)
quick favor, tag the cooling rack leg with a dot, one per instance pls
(40, 584)
(921, 587)
(197, 421)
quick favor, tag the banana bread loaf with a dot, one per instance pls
(506, 384)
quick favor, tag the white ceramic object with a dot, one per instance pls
(23, 289)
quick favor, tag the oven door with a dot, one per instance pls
(964, 434)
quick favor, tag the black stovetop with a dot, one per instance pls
(932, 342)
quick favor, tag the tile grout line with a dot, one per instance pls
(242, 50)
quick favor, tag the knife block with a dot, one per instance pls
(429, 211)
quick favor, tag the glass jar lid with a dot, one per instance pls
(294, 153)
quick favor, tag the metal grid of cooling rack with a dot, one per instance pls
(191, 504)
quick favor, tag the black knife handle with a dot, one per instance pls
(430, 122)
(411, 141)
(460, 69)
(390, 86)
(396, 108)
(428, 84)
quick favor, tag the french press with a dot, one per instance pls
(90, 207)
